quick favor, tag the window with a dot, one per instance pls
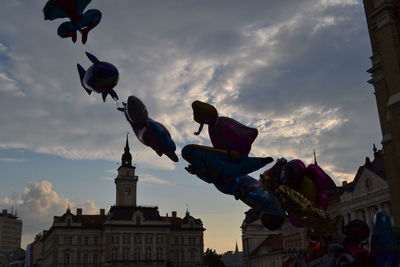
(114, 254)
(127, 191)
(85, 259)
(193, 256)
(136, 254)
(159, 252)
(66, 258)
(65, 240)
(115, 239)
(125, 254)
(96, 240)
(147, 255)
(86, 240)
(176, 241)
(95, 258)
(137, 220)
(70, 240)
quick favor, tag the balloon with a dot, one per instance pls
(322, 200)
(150, 132)
(101, 77)
(318, 175)
(215, 165)
(80, 21)
(384, 248)
(304, 212)
(292, 174)
(308, 189)
(225, 133)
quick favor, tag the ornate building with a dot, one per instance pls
(10, 232)
(367, 193)
(129, 235)
(383, 19)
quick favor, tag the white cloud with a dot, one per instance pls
(12, 160)
(148, 178)
(38, 203)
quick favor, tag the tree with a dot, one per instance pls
(212, 259)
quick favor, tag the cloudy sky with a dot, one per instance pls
(295, 70)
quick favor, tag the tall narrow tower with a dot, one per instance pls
(126, 180)
(383, 18)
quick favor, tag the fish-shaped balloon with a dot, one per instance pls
(101, 77)
(215, 165)
(225, 133)
(228, 172)
(80, 21)
(150, 132)
(384, 248)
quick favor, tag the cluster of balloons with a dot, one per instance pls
(345, 248)
(288, 189)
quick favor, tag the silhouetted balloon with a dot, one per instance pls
(79, 20)
(384, 248)
(150, 132)
(101, 77)
(225, 133)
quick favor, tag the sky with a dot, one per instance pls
(295, 70)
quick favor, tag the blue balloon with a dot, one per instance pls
(383, 242)
(229, 176)
(150, 132)
(101, 77)
(80, 21)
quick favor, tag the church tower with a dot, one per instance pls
(383, 18)
(126, 180)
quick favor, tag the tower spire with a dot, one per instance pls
(315, 158)
(126, 160)
(236, 248)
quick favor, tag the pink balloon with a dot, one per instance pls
(322, 200)
(318, 176)
(300, 163)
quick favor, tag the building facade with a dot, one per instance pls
(367, 193)
(383, 19)
(10, 232)
(128, 235)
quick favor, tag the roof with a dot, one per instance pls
(251, 215)
(272, 243)
(126, 213)
(89, 220)
(376, 166)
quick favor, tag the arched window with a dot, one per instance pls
(114, 254)
(147, 255)
(66, 259)
(95, 258)
(85, 259)
(137, 220)
(125, 254)
(193, 256)
(136, 254)
(159, 253)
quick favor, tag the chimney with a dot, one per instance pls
(344, 183)
(78, 212)
(167, 214)
(102, 212)
(173, 214)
